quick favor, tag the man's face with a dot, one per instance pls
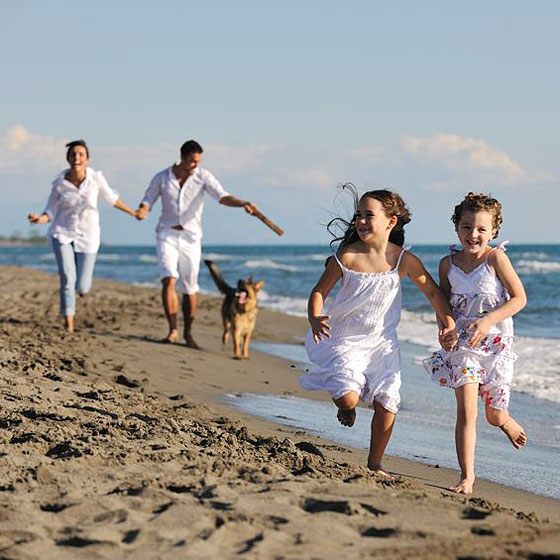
(191, 162)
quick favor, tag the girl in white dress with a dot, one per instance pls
(355, 345)
(74, 233)
(484, 292)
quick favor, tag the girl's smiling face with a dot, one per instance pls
(371, 220)
(475, 231)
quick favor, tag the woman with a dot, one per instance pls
(74, 231)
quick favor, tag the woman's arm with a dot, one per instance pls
(500, 262)
(316, 302)
(120, 205)
(415, 270)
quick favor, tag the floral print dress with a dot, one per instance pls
(490, 364)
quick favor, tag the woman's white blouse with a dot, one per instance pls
(73, 210)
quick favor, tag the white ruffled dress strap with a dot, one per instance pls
(403, 251)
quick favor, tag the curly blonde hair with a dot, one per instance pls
(478, 203)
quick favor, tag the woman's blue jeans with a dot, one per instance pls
(75, 271)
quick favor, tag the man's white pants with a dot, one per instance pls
(179, 256)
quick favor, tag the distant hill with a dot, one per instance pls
(18, 238)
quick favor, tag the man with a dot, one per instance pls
(179, 231)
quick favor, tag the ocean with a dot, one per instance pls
(427, 413)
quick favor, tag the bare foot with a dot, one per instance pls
(346, 417)
(465, 486)
(514, 432)
(190, 342)
(380, 471)
(171, 338)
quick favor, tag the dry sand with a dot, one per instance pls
(113, 445)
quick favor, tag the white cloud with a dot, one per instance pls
(20, 149)
(470, 160)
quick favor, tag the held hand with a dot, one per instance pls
(250, 207)
(37, 219)
(480, 329)
(320, 327)
(448, 338)
(141, 213)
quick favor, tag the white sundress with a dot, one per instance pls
(363, 354)
(490, 364)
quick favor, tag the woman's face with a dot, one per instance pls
(78, 158)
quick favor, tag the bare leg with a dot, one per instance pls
(381, 429)
(170, 306)
(508, 425)
(69, 323)
(347, 408)
(465, 435)
(189, 311)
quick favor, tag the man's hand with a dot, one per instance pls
(142, 212)
(250, 207)
(320, 327)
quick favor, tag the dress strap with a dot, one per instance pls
(403, 251)
(338, 261)
(501, 246)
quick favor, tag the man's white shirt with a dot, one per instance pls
(182, 206)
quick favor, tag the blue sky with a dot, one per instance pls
(289, 99)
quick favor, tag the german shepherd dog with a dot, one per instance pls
(239, 310)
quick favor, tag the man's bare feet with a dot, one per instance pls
(191, 343)
(514, 432)
(380, 471)
(171, 338)
(465, 486)
(347, 416)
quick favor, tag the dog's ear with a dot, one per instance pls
(258, 285)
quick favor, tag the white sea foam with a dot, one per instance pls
(541, 267)
(289, 305)
(109, 257)
(269, 263)
(148, 259)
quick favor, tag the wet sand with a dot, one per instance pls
(114, 445)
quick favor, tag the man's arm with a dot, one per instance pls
(151, 195)
(234, 202)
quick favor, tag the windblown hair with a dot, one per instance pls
(73, 144)
(190, 147)
(393, 205)
(478, 203)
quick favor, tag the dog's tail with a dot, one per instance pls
(221, 284)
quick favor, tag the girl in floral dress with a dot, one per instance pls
(484, 292)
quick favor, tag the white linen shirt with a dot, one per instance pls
(182, 206)
(73, 210)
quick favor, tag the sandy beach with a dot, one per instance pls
(114, 445)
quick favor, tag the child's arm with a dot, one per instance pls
(500, 262)
(414, 269)
(445, 338)
(319, 293)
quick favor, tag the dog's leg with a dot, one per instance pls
(236, 336)
(246, 341)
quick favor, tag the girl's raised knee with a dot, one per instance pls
(348, 401)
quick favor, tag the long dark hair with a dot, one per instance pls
(393, 205)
